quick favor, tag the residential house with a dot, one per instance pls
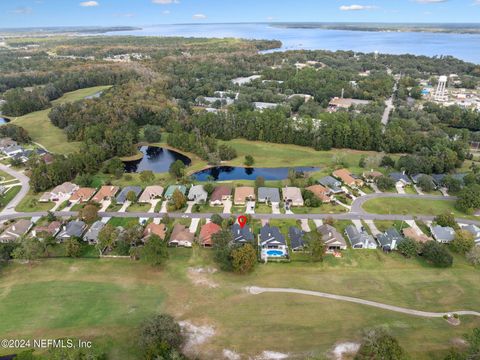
(244, 194)
(242, 235)
(331, 183)
(360, 239)
(474, 230)
(268, 195)
(390, 239)
(50, 230)
(7, 142)
(334, 241)
(106, 193)
(346, 177)
(371, 176)
(341, 103)
(438, 179)
(82, 195)
(296, 235)
(150, 193)
(400, 179)
(198, 194)
(63, 191)
(48, 158)
(206, 233)
(181, 236)
(122, 196)
(321, 192)
(416, 178)
(272, 243)
(16, 230)
(13, 150)
(245, 80)
(413, 234)
(220, 194)
(155, 229)
(72, 230)
(264, 105)
(442, 234)
(171, 189)
(91, 236)
(292, 196)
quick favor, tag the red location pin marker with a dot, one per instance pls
(242, 221)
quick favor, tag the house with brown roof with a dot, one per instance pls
(181, 236)
(345, 103)
(151, 193)
(106, 192)
(321, 192)
(82, 195)
(43, 232)
(220, 194)
(206, 233)
(63, 191)
(292, 196)
(347, 178)
(244, 194)
(333, 240)
(155, 229)
(371, 176)
(16, 230)
(411, 233)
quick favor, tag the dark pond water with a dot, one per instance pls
(4, 120)
(221, 173)
(156, 159)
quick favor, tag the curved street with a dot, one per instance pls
(260, 290)
(24, 181)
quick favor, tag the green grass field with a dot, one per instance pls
(404, 206)
(9, 195)
(105, 301)
(30, 203)
(43, 132)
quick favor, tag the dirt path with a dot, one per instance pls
(259, 290)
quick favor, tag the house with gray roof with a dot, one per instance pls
(272, 243)
(438, 179)
(332, 238)
(91, 236)
(72, 230)
(443, 234)
(296, 237)
(13, 150)
(475, 231)
(122, 196)
(16, 230)
(198, 194)
(390, 239)
(333, 184)
(242, 235)
(268, 195)
(400, 178)
(360, 239)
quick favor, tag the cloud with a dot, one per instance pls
(356, 7)
(166, 12)
(199, 16)
(22, 10)
(165, 2)
(89, 3)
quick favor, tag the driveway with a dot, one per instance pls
(375, 188)
(358, 224)
(400, 189)
(318, 222)
(373, 227)
(304, 225)
(125, 207)
(194, 225)
(154, 205)
(105, 205)
(276, 208)
(164, 210)
(250, 208)
(24, 181)
(227, 207)
(190, 205)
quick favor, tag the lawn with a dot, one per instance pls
(124, 222)
(383, 225)
(30, 203)
(139, 207)
(404, 206)
(53, 298)
(207, 209)
(323, 209)
(263, 209)
(43, 132)
(9, 195)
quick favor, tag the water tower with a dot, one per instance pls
(441, 93)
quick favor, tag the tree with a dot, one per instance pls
(436, 254)
(209, 188)
(385, 183)
(222, 247)
(226, 152)
(30, 249)
(73, 248)
(379, 344)
(473, 256)
(425, 183)
(147, 176)
(160, 336)
(178, 200)
(217, 219)
(132, 196)
(152, 133)
(259, 181)
(106, 238)
(244, 259)
(452, 184)
(463, 242)
(408, 248)
(155, 251)
(446, 220)
(89, 213)
(387, 161)
(177, 169)
(469, 199)
(315, 246)
(249, 160)
(6, 250)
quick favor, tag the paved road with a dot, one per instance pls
(24, 181)
(259, 290)
(357, 204)
(389, 108)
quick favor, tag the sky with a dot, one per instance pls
(42, 13)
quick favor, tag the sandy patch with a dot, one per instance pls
(344, 350)
(200, 276)
(271, 355)
(73, 268)
(196, 335)
(230, 355)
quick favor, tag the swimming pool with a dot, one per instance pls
(275, 253)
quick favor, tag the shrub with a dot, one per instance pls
(408, 248)
(436, 254)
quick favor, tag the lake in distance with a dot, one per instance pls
(156, 159)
